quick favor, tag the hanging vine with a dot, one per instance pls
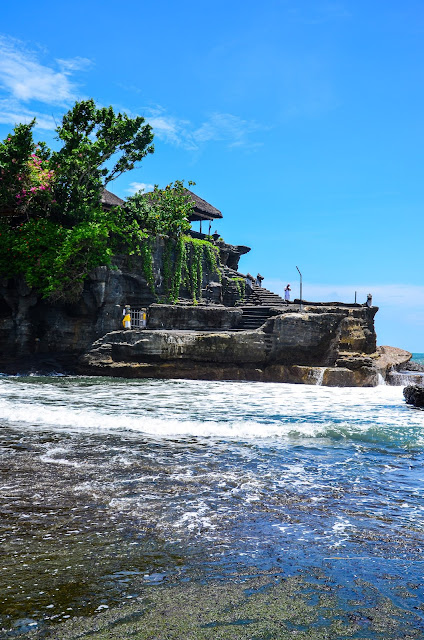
(183, 262)
(241, 287)
(167, 267)
(146, 253)
(180, 260)
(199, 252)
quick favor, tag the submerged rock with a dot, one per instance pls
(414, 394)
(414, 366)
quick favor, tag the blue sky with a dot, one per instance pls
(301, 121)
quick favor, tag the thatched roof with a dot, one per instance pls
(202, 210)
(109, 200)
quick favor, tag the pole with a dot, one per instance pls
(301, 306)
(355, 297)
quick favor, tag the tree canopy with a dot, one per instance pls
(53, 229)
(91, 138)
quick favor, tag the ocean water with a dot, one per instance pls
(111, 486)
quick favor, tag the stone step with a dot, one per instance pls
(254, 317)
(264, 296)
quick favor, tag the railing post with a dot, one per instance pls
(301, 305)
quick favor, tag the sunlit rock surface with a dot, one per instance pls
(296, 346)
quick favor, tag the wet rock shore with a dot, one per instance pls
(414, 394)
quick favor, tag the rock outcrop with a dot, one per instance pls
(334, 346)
(414, 394)
(31, 327)
(197, 318)
(312, 343)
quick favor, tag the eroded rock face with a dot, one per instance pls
(198, 318)
(289, 347)
(324, 344)
(32, 326)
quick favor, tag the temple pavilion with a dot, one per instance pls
(202, 212)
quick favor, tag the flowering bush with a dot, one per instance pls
(25, 176)
(25, 180)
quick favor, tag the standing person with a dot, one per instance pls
(259, 279)
(287, 293)
(126, 321)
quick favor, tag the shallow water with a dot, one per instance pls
(111, 485)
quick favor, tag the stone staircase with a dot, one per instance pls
(254, 317)
(261, 296)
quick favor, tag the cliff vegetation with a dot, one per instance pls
(53, 228)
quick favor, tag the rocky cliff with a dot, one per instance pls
(333, 345)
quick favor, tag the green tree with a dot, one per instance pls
(53, 230)
(98, 146)
(163, 211)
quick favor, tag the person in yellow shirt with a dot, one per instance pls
(126, 321)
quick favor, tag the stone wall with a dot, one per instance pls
(198, 318)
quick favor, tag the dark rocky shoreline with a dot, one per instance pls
(333, 344)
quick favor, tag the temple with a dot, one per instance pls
(202, 210)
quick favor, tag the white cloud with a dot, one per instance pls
(172, 130)
(218, 127)
(74, 64)
(225, 127)
(139, 186)
(12, 112)
(25, 78)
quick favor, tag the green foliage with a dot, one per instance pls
(53, 259)
(163, 211)
(145, 251)
(167, 268)
(91, 137)
(196, 251)
(54, 230)
(183, 261)
(241, 286)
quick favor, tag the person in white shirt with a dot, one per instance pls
(287, 293)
